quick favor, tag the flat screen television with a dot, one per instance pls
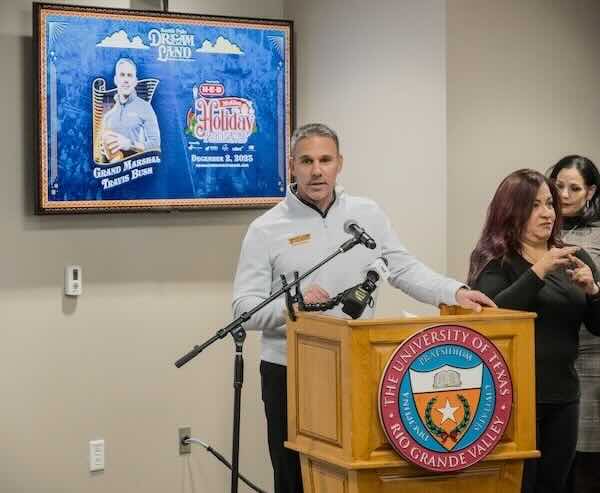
(153, 111)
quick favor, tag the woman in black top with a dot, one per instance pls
(521, 263)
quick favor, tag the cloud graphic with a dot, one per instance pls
(222, 46)
(120, 39)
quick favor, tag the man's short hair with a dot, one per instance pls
(313, 130)
(125, 60)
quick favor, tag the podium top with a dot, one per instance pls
(448, 314)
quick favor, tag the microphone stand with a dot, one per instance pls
(239, 336)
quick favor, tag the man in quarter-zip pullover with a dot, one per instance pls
(293, 236)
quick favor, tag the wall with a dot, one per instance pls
(378, 76)
(523, 81)
(101, 366)
(521, 91)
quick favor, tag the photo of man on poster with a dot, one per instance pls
(130, 126)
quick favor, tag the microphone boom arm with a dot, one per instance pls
(238, 333)
(244, 317)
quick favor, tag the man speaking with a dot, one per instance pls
(293, 236)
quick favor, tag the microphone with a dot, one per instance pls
(351, 227)
(356, 299)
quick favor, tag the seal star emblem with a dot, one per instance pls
(447, 412)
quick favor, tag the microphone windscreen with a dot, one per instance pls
(348, 224)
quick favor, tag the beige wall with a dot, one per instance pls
(101, 366)
(378, 76)
(154, 285)
(523, 91)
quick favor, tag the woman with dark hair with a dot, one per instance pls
(578, 183)
(521, 263)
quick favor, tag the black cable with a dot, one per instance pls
(321, 307)
(216, 453)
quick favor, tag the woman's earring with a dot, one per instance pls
(587, 205)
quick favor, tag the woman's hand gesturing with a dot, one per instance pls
(581, 274)
(553, 259)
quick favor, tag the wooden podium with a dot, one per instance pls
(334, 369)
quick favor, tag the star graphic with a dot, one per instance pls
(447, 412)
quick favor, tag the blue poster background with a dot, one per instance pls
(246, 64)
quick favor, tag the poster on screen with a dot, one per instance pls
(153, 111)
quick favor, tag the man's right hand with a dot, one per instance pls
(115, 142)
(315, 294)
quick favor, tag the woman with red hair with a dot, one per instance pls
(521, 263)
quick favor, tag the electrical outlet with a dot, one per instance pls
(185, 432)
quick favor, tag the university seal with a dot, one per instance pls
(445, 398)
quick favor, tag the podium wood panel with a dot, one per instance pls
(319, 411)
(334, 368)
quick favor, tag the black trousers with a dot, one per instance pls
(286, 463)
(585, 473)
(556, 431)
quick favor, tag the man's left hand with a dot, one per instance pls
(473, 300)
